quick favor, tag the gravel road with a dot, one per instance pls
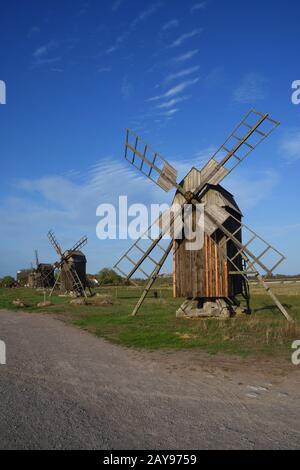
(63, 388)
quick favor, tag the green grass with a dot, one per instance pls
(265, 332)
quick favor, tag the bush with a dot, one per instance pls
(108, 276)
(7, 281)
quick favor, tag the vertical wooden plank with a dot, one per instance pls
(217, 271)
(210, 267)
(183, 267)
(206, 266)
(220, 272)
(199, 267)
(226, 278)
(174, 269)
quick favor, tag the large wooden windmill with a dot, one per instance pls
(231, 252)
(71, 266)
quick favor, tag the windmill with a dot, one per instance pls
(222, 267)
(72, 267)
(41, 276)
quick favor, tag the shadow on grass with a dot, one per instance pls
(270, 308)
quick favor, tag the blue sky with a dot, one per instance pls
(181, 74)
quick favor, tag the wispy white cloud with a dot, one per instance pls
(45, 49)
(182, 73)
(41, 55)
(175, 90)
(46, 61)
(170, 112)
(198, 6)
(126, 88)
(144, 14)
(186, 56)
(111, 49)
(251, 89)
(170, 24)
(118, 42)
(290, 145)
(184, 37)
(104, 69)
(172, 102)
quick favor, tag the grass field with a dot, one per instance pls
(265, 332)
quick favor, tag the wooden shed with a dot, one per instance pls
(206, 273)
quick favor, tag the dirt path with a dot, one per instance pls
(64, 388)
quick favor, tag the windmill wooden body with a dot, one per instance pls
(72, 267)
(76, 262)
(204, 273)
(42, 276)
(231, 252)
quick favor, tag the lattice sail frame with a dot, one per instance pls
(255, 246)
(149, 162)
(254, 128)
(154, 238)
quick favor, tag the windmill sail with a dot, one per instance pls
(167, 226)
(54, 243)
(149, 162)
(263, 255)
(246, 136)
(80, 244)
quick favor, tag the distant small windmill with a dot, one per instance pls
(42, 276)
(220, 270)
(72, 267)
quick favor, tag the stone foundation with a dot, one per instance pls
(218, 308)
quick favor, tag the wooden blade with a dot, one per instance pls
(262, 249)
(54, 243)
(81, 243)
(247, 135)
(46, 276)
(252, 271)
(152, 279)
(149, 162)
(143, 254)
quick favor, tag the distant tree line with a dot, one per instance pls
(108, 276)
